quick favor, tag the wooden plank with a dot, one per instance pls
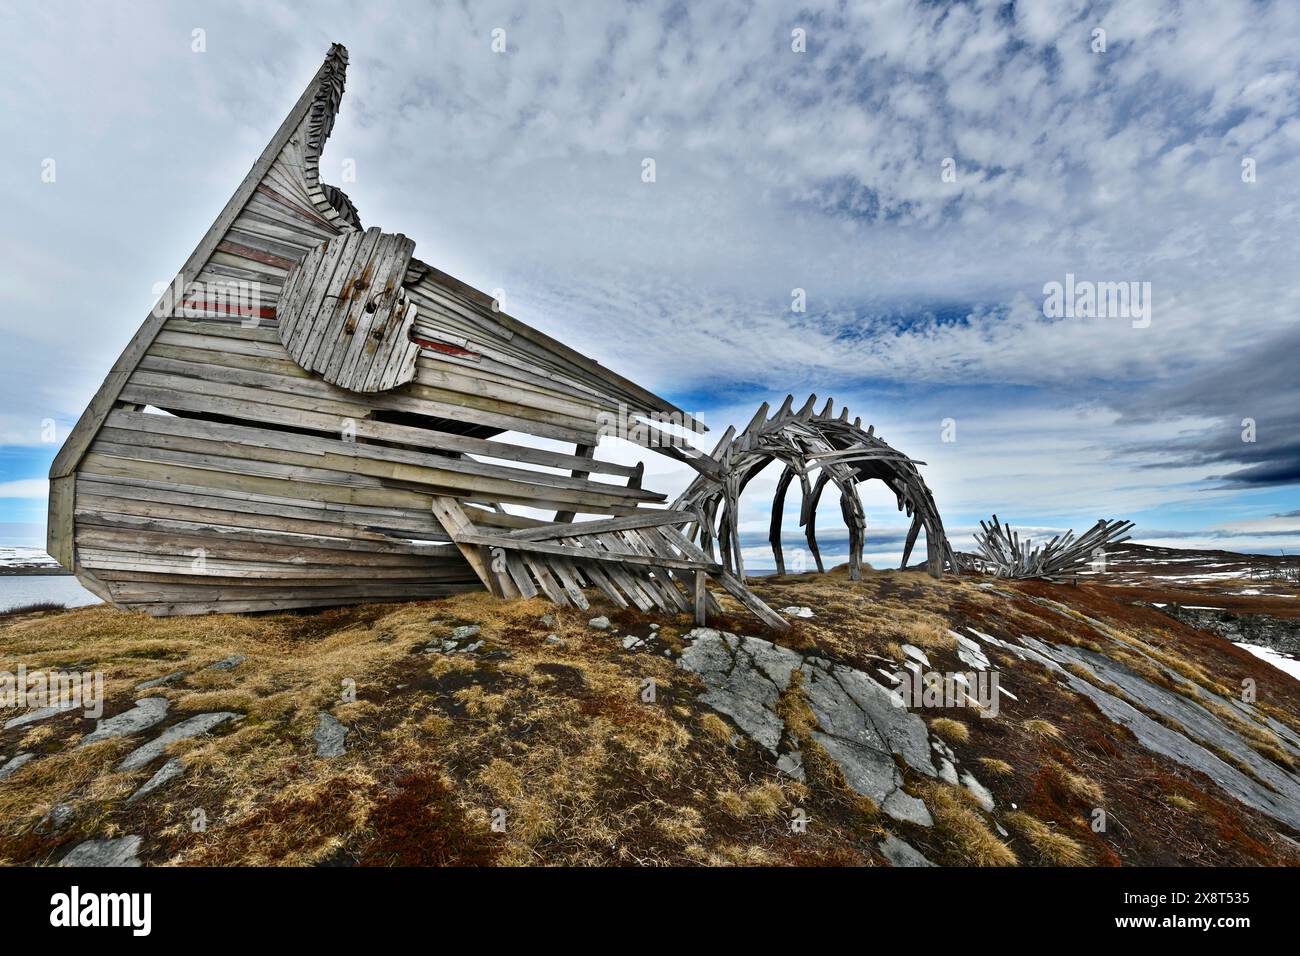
(570, 581)
(582, 451)
(540, 547)
(751, 601)
(640, 519)
(457, 524)
(544, 579)
(58, 530)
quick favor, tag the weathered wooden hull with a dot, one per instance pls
(312, 416)
(213, 472)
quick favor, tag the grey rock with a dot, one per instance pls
(971, 654)
(916, 654)
(14, 764)
(471, 648)
(791, 764)
(599, 623)
(741, 691)
(330, 736)
(146, 712)
(190, 727)
(547, 620)
(159, 681)
(948, 772)
(554, 639)
(867, 770)
(41, 713)
(631, 641)
(900, 853)
(229, 663)
(56, 819)
(120, 852)
(654, 627)
(465, 632)
(794, 611)
(1279, 796)
(904, 733)
(751, 716)
(166, 773)
(861, 724)
(980, 792)
(907, 808)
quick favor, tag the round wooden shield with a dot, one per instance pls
(344, 315)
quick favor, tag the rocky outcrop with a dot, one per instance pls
(1263, 630)
(168, 772)
(14, 764)
(1202, 734)
(146, 712)
(860, 724)
(191, 727)
(42, 713)
(901, 853)
(119, 852)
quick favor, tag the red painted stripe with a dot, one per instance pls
(442, 347)
(229, 308)
(257, 255)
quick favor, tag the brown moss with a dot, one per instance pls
(420, 824)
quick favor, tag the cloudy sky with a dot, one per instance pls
(921, 170)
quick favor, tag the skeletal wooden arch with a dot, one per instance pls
(819, 449)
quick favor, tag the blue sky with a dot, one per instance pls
(775, 170)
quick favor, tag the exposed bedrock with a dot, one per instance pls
(860, 724)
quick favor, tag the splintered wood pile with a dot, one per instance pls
(313, 416)
(1003, 553)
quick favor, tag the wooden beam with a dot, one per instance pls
(457, 524)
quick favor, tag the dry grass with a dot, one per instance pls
(966, 838)
(1053, 847)
(556, 737)
(998, 768)
(792, 707)
(928, 633)
(717, 728)
(559, 739)
(952, 730)
(1042, 728)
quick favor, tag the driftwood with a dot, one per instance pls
(1003, 553)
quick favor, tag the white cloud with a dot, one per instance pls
(776, 170)
(25, 488)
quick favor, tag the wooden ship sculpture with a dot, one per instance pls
(339, 439)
